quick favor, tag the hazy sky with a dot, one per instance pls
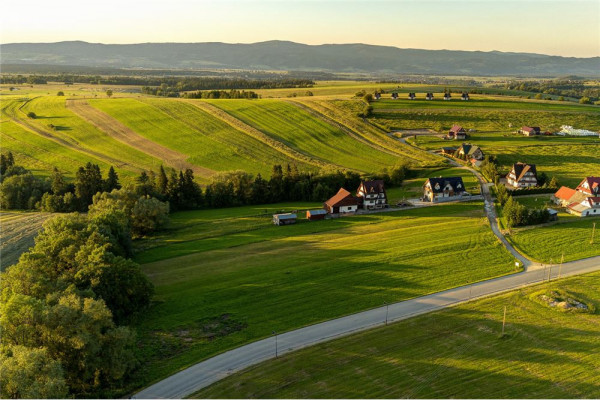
(568, 27)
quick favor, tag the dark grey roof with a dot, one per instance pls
(455, 181)
(285, 216)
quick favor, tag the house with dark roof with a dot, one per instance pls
(443, 189)
(394, 96)
(377, 95)
(457, 132)
(522, 176)
(429, 96)
(530, 130)
(449, 150)
(412, 96)
(342, 203)
(464, 96)
(447, 96)
(372, 194)
(468, 151)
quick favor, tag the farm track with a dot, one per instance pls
(127, 136)
(18, 234)
(260, 136)
(73, 144)
(319, 115)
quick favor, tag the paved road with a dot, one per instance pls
(216, 368)
(198, 376)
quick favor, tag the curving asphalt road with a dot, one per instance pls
(198, 376)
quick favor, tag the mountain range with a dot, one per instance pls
(290, 56)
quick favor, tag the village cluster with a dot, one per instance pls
(428, 96)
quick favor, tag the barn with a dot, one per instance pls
(315, 215)
(342, 203)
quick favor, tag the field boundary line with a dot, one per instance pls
(259, 135)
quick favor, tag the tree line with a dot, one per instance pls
(65, 306)
(178, 84)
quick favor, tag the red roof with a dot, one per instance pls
(564, 193)
(456, 129)
(342, 198)
(593, 184)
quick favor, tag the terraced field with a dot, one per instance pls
(304, 273)
(455, 353)
(299, 130)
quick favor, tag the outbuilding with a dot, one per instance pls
(342, 203)
(316, 215)
(284, 219)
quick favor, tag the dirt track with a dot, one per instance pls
(125, 135)
(18, 233)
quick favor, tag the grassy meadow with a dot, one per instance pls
(302, 274)
(454, 353)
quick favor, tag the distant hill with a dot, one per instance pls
(282, 55)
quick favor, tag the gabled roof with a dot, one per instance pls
(530, 128)
(438, 184)
(342, 198)
(375, 186)
(520, 169)
(594, 201)
(316, 212)
(564, 193)
(465, 147)
(456, 129)
(285, 216)
(473, 149)
(593, 184)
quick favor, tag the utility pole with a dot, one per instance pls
(593, 231)
(387, 306)
(562, 258)
(504, 321)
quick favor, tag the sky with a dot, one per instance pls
(567, 28)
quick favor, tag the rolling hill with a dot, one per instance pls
(283, 55)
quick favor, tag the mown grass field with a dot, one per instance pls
(454, 353)
(82, 136)
(19, 230)
(208, 141)
(570, 236)
(305, 273)
(569, 159)
(296, 128)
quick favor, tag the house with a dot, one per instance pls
(447, 96)
(590, 186)
(464, 96)
(522, 176)
(469, 152)
(563, 196)
(449, 150)
(440, 189)
(588, 207)
(411, 96)
(457, 132)
(377, 95)
(315, 215)
(429, 96)
(284, 219)
(372, 194)
(343, 202)
(530, 130)
(395, 96)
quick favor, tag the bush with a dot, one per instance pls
(31, 115)
(60, 93)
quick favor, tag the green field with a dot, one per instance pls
(569, 159)
(299, 130)
(305, 273)
(454, 353)
(208, 141)
(82, 136)
(571, 238)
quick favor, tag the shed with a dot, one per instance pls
(315, 215)
(284, 219)
(342, 202)
(553, 214)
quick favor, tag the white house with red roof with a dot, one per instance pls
(583, 201)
